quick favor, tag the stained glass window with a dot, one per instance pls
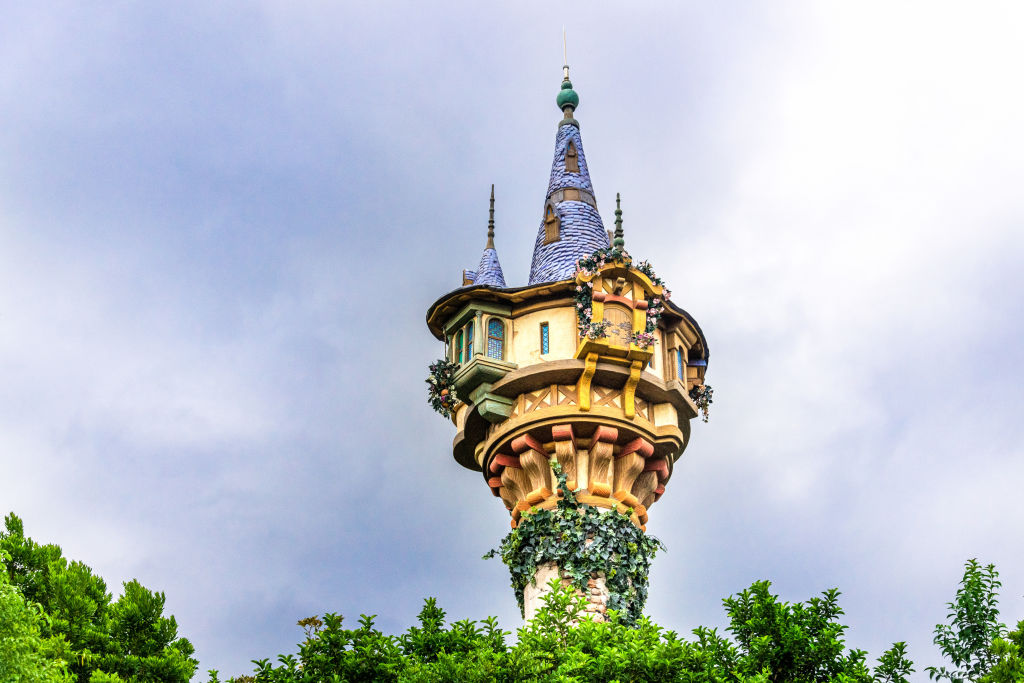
(495, 339)
(680, 370)
(469, 342)
(458, 347)
(544, 338)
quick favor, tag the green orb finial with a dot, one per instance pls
(567, 97)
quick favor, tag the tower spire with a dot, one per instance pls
(489, 271)
(490, 223)
(567, 99)
(620, 240)
(571, 226)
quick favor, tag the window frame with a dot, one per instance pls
(457, 347)
(575, 156)
(545, 338)
(491, 321)
(552, 225)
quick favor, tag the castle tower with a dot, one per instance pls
(589, 366)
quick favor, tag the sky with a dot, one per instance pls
(221, 225)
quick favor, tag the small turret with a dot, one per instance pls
(489, 271)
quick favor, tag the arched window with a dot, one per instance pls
(458, 347)
(572, 164)
(552, 226)
(680, 367)
(495, 339)
(469, 342)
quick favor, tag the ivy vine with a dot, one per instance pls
(441, 394)
(701, 395)
(582, 540)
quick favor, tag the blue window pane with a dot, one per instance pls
(680, 372)
(494, 348)
(469, 342)
(544, 338)
(495, 339)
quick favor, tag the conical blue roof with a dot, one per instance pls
(489, 270)
(571, 196)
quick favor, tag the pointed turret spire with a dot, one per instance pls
(571, 226)
(620, 240)
(490, 222)
(489, 271)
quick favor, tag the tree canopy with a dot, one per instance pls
(70, 618)
(59, 624)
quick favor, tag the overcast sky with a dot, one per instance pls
(221, 225)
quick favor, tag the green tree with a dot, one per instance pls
(103, 641)
(802, 641)
(973, 626)
(775, 642)
(1008, 658)
(25, 655)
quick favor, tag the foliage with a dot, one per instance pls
(103, 641)
(643, 340)
(1007, 658)
(441, 394)
(973, 626)
(701, 395)
(583, 541)
(802, 641)
(26, 656)
(780, 643)
(595, 329)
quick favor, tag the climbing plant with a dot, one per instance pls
(441, 394)
(701, 395)
(582, 540)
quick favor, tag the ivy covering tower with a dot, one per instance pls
(571, 395)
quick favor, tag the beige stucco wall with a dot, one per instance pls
(658, 370)
(665, 414)
(525, 346)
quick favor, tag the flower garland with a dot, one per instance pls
(583, 297)
(582, 540)
(701, 395)
(441, 393)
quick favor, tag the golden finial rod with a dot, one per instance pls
(565, 57)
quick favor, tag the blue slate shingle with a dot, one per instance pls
(489, 270)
